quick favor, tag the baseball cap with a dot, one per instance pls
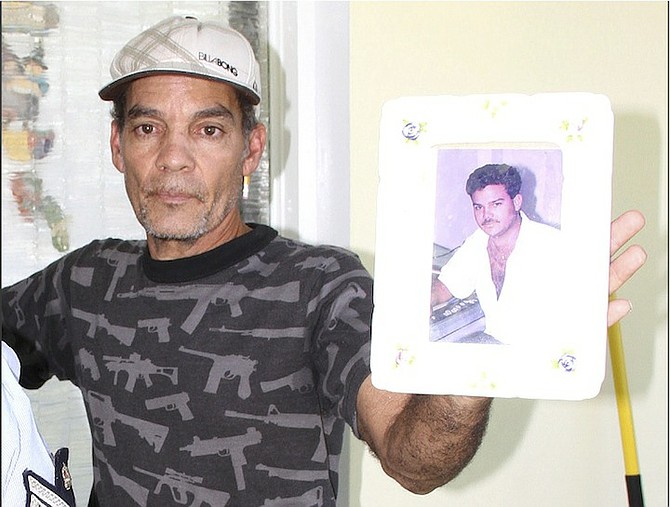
(185, 45)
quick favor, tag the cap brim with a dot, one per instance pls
(116, 87)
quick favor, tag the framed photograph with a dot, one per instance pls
(492, 254)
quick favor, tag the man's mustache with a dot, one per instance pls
(174, 189)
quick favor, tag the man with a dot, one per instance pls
(510, 261)
(217, 358)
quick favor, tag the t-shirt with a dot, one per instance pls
(223, 378)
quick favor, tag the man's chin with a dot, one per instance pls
(168, 232)
(180, 226)
(489, 229)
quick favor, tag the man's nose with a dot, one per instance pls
(175, 153)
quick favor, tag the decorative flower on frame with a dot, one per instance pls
(574, 129)
(403, 357)
(493, 108)
(412, 130)
(484, 382)
(567, 362)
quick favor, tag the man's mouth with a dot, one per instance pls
(173, 197)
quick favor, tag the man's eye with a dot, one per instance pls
(146, 129)
(211, 130)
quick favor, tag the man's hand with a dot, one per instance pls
(627, 263)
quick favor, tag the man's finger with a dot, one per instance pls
(625, 227)
(625, 265)
(617, 310)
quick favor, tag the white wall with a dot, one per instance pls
(536, 452)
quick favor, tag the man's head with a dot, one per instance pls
(184, 45)
(184, 132)
(496, 201)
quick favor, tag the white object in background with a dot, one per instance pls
(23, 448)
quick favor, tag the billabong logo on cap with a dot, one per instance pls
(217, 61)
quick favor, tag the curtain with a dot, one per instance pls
(59, 187)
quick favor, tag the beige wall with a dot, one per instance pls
(536, 452)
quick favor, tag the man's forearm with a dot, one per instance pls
(433, 439)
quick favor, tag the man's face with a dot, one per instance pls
(495, 211)
(182, 152)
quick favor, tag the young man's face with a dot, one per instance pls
(182, 152)
(495, 211)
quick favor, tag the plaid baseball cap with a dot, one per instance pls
(184, 45)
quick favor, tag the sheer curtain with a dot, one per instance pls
(59, 188)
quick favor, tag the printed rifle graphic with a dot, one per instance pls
(296, 421)
(227, 446)
(205, 295)
(180, 485)
(227, 367)
(256, 265)
(125, 335)
(136, 367)
(311, 498)
(104, 414)
(288, 332)
(120, 262)
(157, 326)
(269, 334)
(172, 402)
(301, 381)
(291, 474)
(138, 493)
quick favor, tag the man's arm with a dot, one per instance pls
(424, 441)
(439, 293)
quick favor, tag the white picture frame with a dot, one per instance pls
(554, 329)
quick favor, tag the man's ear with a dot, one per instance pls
(115, 146)
(256, 148)
(518, 200)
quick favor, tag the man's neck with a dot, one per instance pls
(506, 241)
(499, 249)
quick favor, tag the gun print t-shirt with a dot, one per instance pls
(221, 379)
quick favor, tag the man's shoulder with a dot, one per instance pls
(302, 250)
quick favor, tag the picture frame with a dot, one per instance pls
(527, 287)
